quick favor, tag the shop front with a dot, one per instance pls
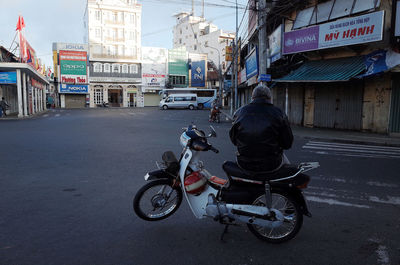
(23, 88)
(73, 96)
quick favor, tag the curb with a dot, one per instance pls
(25, 117)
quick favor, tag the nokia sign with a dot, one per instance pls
(70, 47)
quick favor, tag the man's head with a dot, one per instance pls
(262, 91)
(2, 98)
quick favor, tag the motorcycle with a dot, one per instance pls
(271, 204)
(215, 115)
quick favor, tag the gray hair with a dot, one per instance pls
(262, 91)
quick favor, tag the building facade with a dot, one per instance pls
(201, 37)
(332, 64)
(70, 61)
(21, 85)
(113, 32)
(154, 74)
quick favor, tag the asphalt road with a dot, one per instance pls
(67, 179)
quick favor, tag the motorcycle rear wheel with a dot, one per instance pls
(157, 200)
(293, 219)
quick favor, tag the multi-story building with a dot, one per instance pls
(202, 37)
(113, 32)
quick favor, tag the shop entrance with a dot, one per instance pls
(132, 100)
(115, 97)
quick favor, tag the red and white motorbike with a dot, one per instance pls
(271, 204)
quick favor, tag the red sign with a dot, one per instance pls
(37, 84)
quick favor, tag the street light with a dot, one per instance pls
(219, 71)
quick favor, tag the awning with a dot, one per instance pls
(331, 70)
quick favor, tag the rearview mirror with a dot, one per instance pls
(212, 133)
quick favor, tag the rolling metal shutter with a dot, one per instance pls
(151, 100)
(296, 105)
(394, 123)
(75, 101)
(339, 105)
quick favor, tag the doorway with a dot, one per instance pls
(132, 100)
(115, 97)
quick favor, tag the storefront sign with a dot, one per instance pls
(79, 89)
(8, 77)
(37, 84)
(275, 44)
(70, 47)
(242, 76)
(198, 75)
(73, 67)
(252, 64)
(343, 32)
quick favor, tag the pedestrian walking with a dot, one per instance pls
(4, 106)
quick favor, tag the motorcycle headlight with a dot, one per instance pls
(184, 139)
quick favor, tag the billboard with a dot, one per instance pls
(275, 44)
(8, 77)
(198, 73)
(68, 88)
(342, 32)
(73, 67)
(154, 66)
(252, 64)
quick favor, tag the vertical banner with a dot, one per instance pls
(198, 73)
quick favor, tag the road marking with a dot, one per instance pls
(58, 115)
(335, 202)
(356, 150)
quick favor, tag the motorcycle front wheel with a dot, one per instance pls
(293, 219)
(157, 200)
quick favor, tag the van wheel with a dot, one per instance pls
(191, 107)
(165, 107)
(200, 106)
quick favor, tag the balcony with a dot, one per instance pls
(116, 57)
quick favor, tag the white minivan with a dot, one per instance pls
(179, 101)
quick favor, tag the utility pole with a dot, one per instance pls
(202, 10)
(262, 38)
(192, 7)
(235, 58)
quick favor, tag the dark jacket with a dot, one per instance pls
(260, 131)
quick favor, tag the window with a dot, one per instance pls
(120, 34)
(195, 36)
(195, 47)
(114, 16)
(121, 16)
(132, 18)
(179, 99)
(363, 5)
(115, 68)
(125, 69)
(133, 69)
(131, 35)
(303, 18)
(114, 34)
(205, 93)
(341, 8)
(97, 67)
(180, 31)
(180, 41)
(98, 33)
(97, 14)
(177, 80)
(98, 96)
(107, 68)
(322, 12)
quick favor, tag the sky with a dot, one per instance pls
(49, 21)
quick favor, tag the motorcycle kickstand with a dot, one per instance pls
(224, 232)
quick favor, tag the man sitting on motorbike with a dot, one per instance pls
(261, 132)
(214, 109)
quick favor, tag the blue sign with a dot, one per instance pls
(198, 75)
(264, 78)
(8, 77)
(252, 64)
(79, 89)
(375, 62)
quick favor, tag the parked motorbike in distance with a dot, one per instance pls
(271, 204)
(215, 115)
(103, 105)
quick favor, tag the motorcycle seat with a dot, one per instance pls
(232, 169)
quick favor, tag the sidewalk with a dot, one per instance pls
(341, 136)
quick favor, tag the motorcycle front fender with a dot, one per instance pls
(158, 174)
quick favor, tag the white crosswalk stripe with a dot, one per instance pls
(358, 150)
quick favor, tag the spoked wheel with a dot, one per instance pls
(292, 219)
(157, 200)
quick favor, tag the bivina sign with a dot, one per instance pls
(343, 32)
